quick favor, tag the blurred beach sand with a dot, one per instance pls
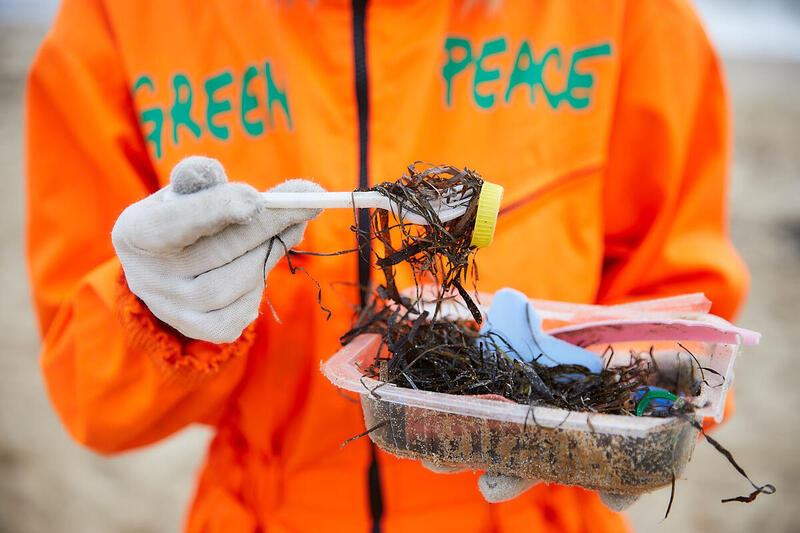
(48, 483)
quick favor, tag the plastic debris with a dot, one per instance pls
(513, 323)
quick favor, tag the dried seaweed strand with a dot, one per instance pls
(364, 433)
(671, 496)
(293, 269)
(766, 488)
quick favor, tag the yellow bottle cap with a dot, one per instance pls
(486, 219)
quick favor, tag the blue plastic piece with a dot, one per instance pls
(517, 328)
(656, 404)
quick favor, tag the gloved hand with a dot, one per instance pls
(198, 251)
(494, 488)
(497, 488)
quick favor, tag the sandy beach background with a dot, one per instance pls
(48, 483)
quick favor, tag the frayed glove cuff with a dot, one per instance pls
(169, 349)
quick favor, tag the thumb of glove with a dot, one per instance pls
(196, 173)
(500, 488)
(618, 502)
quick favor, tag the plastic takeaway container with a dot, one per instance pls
(618, 454)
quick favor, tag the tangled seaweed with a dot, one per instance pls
(445, 356)
(429, 352)
(437, 251)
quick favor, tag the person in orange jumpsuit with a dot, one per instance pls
(606, 122)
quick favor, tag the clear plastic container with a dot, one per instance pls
(610, 453)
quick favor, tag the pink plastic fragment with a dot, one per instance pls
(587, 334)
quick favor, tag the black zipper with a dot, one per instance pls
(362, 101)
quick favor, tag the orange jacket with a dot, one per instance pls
(606, 122)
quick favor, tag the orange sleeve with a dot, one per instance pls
(666, 184)
(117, 376)
(666, 229)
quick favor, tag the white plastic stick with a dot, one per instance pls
(350, 200)
(325, 200)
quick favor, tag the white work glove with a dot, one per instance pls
(497, 488)
(198, 251)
